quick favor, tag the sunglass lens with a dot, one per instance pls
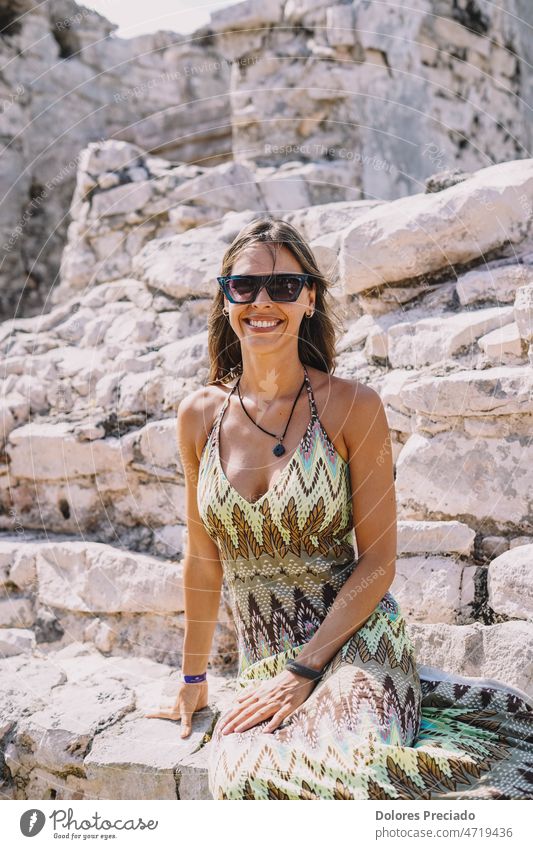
(241, 289)
(285, 288)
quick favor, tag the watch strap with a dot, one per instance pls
(305, 671)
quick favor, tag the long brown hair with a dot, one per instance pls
(316, 339)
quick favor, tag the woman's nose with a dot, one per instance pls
(263, 296)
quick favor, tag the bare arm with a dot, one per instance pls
(367, 437)
(202, 569)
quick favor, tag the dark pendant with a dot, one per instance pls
(278, 450)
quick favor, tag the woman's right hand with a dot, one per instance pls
(190, 698)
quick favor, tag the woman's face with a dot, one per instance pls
(257, 259)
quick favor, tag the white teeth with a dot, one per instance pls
(262, 323)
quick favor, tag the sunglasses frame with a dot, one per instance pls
(261, 281)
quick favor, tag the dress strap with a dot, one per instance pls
(223, 406)
(312, 403)
(218, 417)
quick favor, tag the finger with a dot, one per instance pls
(276, 721)
(241, 713)
(238, 711)
(229, 723)
(186, 719)
(228, 720)
(250, 692)
(162, 714)
(256, 717)
(186, 729)
(251, 695)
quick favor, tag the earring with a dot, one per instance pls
(225, 312)
(309, 314)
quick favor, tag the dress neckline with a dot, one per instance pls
(314, 418)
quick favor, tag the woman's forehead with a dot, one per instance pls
(258, 258)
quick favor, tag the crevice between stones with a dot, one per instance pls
(206, 737)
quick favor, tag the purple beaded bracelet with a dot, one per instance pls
(195, 679)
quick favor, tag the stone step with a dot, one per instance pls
(72, 726)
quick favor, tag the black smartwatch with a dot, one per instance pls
(304, 671)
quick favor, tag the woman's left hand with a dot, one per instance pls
(276, 697)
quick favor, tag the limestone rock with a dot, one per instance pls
(186, 357)
(18, 563)
(431, 340)
(50, 451)
(497, 284)
(510, 583)
(246, 15)
(523, 312)
(450, 475)
(26, 683)
(376, 345)
(92, 577)
(101, 745)
(76, 76)
(15, 641)
(502, 652)
(356, 334)
(433, 589)
(158, 444)
(392, 393)
(492, 546)
(502, 343)
(134, 91)
(501, 390)
(14, 411)
(61, 732)
(340, 26)
(391, 243)
(16, 612)
(435, 537)
(216, 186)
(185, 264)
(121, 200)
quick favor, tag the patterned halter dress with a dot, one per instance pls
(376, 725)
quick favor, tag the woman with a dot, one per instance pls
(332, 704)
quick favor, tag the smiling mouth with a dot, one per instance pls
(264, 324)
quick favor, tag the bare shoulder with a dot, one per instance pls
(356, 393)
(359, 411)
(196, 414)
(349, 392)
(362, 395)
(351, 411)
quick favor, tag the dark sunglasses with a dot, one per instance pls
(244, 288)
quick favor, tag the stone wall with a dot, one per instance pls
(394, 92)
(68, 80)
(125, 199)
(385, 97)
